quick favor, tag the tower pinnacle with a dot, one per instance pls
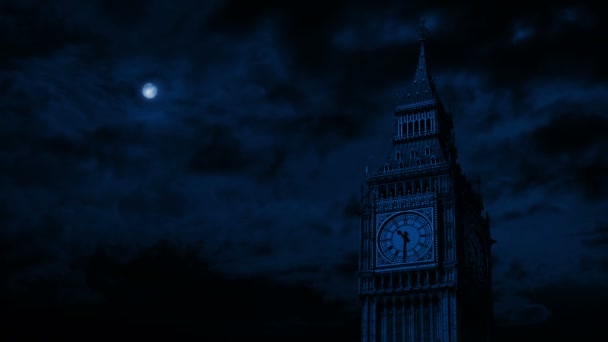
(422, 89)
(422, 30)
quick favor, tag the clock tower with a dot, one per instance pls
(424, 271)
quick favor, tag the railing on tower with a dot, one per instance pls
(406, 280)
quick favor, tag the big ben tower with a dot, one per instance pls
(424, 272)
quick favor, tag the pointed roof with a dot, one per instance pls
(424, 152)
(422, 90)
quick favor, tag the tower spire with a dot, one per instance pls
(422, 89)
(422, 31)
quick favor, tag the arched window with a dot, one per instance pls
(433, 160)
(427, 151)
(386, 167)
(412, 154)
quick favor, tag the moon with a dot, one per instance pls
(149, 90)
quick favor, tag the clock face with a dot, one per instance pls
(405, 237)
(478, 256)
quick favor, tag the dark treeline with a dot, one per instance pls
(169, 292)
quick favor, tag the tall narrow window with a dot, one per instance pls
(427, 151)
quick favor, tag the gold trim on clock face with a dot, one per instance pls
(409, 232)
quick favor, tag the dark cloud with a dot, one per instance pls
(574, 307)
(220, 150)
(604, 265)
(530, 315)
(600, 228)
(300, 270)
(124, 15)
(591, 264)
(494, 260)
(352, 208)
(565, 308)
(266, 113)
(571, 134)
(321, 228)
(324, 131)
(164, 202)
(566, 152)
(56, 160)
(592, 178)
(222, 154)
(538, 208)
(513, 309)
(264, 249)
(172, 288)
(240, 17)
(46, 31)
(597, 237)
(28, 249)
(490, 41)
(349, 267)
(286, 92)
(490, 120)
(517, 271)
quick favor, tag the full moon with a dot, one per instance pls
(149, 90)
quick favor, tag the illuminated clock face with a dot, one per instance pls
(478, 256)
(405, 237)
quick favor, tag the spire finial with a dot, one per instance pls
(422, 30)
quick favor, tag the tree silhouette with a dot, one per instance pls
(170, 291)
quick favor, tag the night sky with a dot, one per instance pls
(238, 185)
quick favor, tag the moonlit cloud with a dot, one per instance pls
(521, 33)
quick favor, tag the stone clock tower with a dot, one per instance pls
(424, 272)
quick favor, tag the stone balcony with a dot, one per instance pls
(401, 281)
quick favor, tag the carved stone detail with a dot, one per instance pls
(409, 201)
